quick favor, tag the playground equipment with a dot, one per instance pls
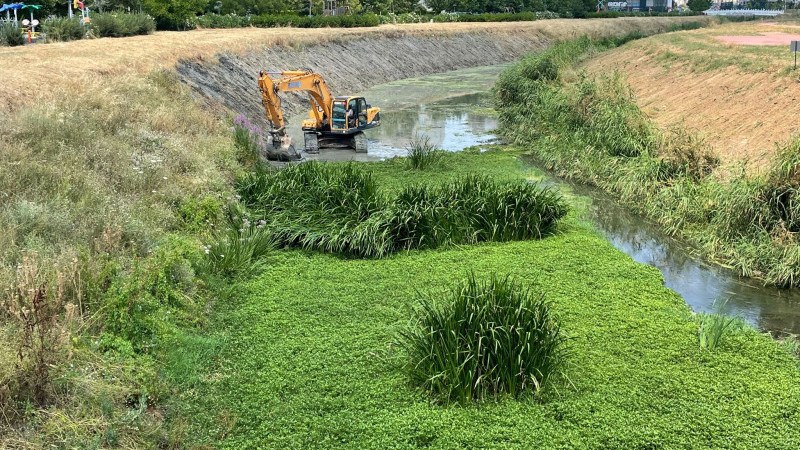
(11, 7)
(78, 5)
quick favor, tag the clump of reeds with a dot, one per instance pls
(715, 326)
(421, 153)
(486, 339)
(473, 209)
(339, 209)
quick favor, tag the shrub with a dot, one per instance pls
(699, 5)
(63, 29)
(122, 24)
(174, 14)
(486, 339)
(602, 15)
(421, 153)
(11, 35)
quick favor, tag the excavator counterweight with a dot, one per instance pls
(332, 121)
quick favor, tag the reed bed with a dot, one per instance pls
(486, 339)
(340, 209)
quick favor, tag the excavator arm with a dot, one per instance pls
(313, 83)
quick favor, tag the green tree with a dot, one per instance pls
(173, 14)
(699, 5)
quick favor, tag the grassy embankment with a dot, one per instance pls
(307, 352)
(737, 96)
(589, 129)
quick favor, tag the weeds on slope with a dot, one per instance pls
(591, 130)
(340, 209)
(112, 202)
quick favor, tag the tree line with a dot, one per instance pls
(173, 14)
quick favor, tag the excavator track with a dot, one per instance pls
(311, 142)
(359, 142)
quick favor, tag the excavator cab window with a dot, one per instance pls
(352, 113)
(362, 112)
(339, 115)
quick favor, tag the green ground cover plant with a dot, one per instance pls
(592, 131)
(307, 352)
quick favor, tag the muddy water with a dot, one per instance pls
(454, 111)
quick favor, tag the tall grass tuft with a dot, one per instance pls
(339, 209)
(473, 209)
(714, 326)
(421, 153)
(485, 340)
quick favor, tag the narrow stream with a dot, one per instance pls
(454, 111)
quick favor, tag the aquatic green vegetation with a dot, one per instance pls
(487, 338)
(306, 352)
(592, 131)
(339, 208)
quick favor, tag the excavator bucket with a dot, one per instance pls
(279, 148)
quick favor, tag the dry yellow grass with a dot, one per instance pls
(30, 72)
(743, 99)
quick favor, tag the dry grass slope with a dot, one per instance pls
(741, 98)
(32, 72)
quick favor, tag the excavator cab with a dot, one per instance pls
(353, 114)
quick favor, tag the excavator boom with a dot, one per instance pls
(321, 99)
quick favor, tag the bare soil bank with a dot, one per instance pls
(351, 63)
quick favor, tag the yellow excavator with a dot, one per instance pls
(332, 121)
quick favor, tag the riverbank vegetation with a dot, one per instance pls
(589, 129)
(313, 350)
(104, 200)
(724, 88)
